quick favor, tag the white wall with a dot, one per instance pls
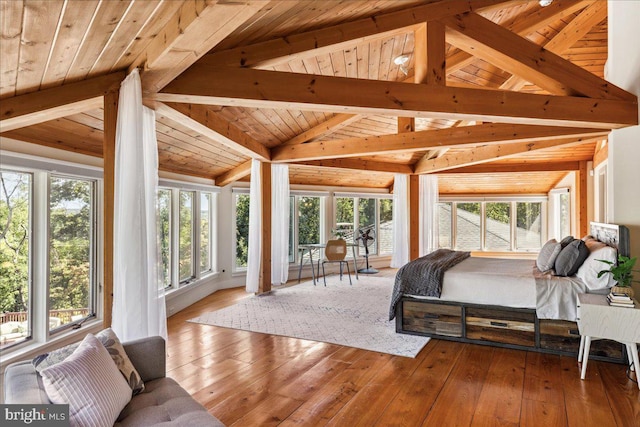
(623, 70)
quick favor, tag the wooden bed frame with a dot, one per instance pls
(500, 326)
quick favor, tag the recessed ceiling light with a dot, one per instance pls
(545, 3)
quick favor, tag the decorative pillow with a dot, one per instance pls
(111, 342)
(589, 270)
(90, 382)
(547, 256)
(564, 242)
(571, 258)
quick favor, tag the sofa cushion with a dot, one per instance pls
(164, 401)
(90, 382)
(111, 342)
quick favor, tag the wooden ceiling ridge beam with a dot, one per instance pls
(428, 139)
(359, 164)
(234, 174)
(518, 55)
(490, 153)
(200, 119)
(324, 40)
(252, 88)
(56, 102)
(576, 29)
(193, 30)
(533, 21)
(554, 166)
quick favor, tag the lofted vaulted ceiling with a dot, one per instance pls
(495, 96)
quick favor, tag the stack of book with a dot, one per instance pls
(619, 300)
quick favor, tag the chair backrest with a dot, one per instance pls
(336, 250)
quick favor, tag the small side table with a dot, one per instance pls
(598, 319)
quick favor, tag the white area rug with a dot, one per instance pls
(353, 316)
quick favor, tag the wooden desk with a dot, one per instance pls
(597, 319)
(311, 247)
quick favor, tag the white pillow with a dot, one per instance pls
(90, 382)
(588, 271)
(547, 256)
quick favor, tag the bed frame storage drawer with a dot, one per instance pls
(563, 336)
(502, 326)
(432, 318)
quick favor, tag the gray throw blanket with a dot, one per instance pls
(424, 276)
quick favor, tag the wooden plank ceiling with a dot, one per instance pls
(246, 91)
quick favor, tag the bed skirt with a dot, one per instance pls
(517, 328)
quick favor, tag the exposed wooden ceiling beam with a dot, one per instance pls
(336, 122)
(533, 21)
(232, 175)
(567, 37)
(359, 164)
(50, 104)
(181, 41)
(490, 153)
(326, 40)
(271, 89)
(517, 167)
(204, 121)
(499, 46)
(423, 140)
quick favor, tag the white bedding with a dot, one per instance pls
(490, 281)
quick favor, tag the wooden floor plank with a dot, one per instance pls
(249, 379)
(501, 396)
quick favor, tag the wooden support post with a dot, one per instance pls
(109, 158)
(581, 187)
(414, 217)
(264, 284)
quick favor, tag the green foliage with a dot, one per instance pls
(242, 229)
(622, 271)
(164, 234)
(14, 241)
(185, 236)
(308, 220)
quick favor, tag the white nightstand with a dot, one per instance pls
(597, 319)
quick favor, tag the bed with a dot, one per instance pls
(508, 303)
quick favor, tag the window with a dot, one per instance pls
(242, 229)
(186, 234)
(186, 271)
(373, 213)
(306, 221)
(15, 256)
(164, 235)
(496, 225)
(565, 214)
(468, 226)
(48, 253)
(71, 254)
(206, 200)
(528, 225)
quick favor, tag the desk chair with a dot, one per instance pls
(336, 251)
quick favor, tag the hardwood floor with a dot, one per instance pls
(252, 379)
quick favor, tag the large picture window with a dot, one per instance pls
(241, 216)
(495, 225)
(365, 213)
(186, 234)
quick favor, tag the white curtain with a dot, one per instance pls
(255, 230)
(400, 221)
(279, 224)
(138, 295)
(428, 214)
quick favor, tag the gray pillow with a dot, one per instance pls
(571, 258)
(547, 256)
(564, 242)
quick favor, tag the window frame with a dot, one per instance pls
(513, 200)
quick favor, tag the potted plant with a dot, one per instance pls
(339, 233)
(622, 272)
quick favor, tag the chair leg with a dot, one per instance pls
(341, 271)
(324, 276)
(348, 272)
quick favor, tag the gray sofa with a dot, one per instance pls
(162, 402)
